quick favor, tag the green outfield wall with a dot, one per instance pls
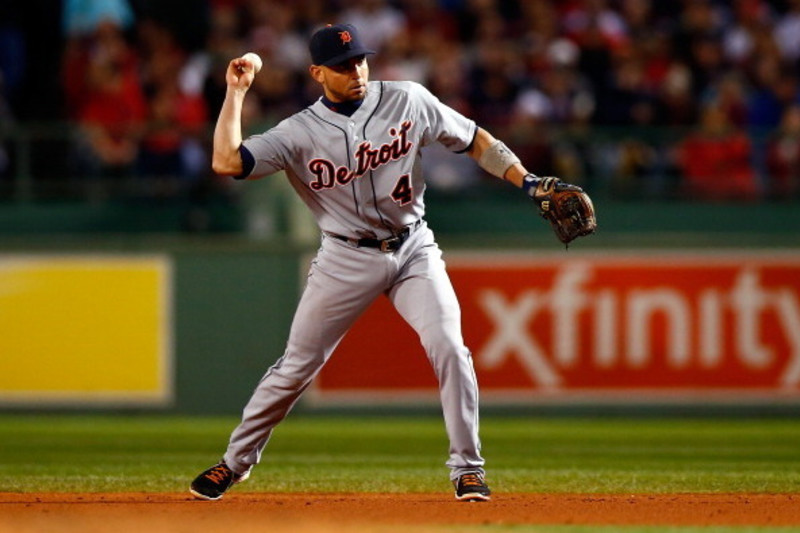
(232, 309)
(232, 297)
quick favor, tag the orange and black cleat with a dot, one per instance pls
(212, 484)
(471, 487)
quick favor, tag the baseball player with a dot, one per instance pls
(354, 158)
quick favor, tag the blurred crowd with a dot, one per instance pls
(692, 99)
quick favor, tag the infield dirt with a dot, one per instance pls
(320, 513)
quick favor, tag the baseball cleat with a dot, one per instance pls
(471, 487)
(212, 484)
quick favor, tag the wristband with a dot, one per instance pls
(529, 184)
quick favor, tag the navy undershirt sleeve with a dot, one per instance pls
(248, 162)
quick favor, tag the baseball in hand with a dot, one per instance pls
(253, 58)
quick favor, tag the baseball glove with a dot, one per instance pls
(567, 207)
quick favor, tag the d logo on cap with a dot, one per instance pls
(336, 44)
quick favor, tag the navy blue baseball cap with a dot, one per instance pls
(336, 43)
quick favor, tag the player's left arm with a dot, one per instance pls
(493, 156)
(485, 141)
(567, 207)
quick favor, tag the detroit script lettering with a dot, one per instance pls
(328, 176)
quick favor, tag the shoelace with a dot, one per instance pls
(218, 474)
(471, 480)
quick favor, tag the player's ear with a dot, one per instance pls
(316, 73)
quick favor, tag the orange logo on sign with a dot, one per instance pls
(345, 37)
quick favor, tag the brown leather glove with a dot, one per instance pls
(567, 207)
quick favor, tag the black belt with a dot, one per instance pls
(391, 244)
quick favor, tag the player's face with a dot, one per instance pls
(344, 82)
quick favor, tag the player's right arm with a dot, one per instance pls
(226, 159)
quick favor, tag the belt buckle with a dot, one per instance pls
(391, 244)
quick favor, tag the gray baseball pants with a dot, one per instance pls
(343, 281)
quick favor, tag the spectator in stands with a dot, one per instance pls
(764, 108)
(111, 107)
(172, 141)
(677, 105)
(654, 51)
(730, 94)
(716, 160)
(95, 32)
(783, 157)
(707, 63)
(787, 33)
(776, 89)
(742, 38)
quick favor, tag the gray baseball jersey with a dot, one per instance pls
(361, 177)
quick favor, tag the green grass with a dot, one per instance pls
(71, 453)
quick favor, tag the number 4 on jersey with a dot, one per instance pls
(403, 193)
